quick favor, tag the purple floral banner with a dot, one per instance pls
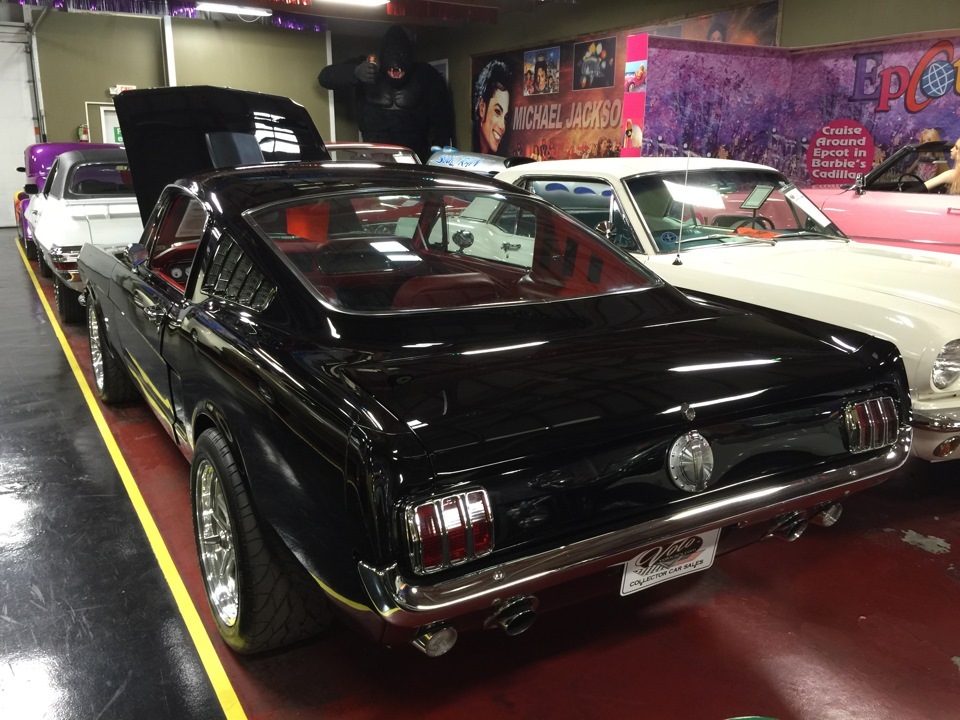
(820, 116)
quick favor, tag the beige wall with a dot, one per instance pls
(824, 22)
(82, 55)
(254, 57)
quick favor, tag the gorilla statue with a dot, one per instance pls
(398, 99)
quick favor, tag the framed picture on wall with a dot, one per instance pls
(442, 67)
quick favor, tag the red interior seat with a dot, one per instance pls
(449, 290)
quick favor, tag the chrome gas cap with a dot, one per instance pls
(690, 462)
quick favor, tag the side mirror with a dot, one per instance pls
(31, 189)
(463, 239)
(136, 254)
(858, 184)
(21, 169)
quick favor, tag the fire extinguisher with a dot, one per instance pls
(83, 133)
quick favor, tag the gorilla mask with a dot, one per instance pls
(396, 55)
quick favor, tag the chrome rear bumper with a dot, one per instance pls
(402, 603)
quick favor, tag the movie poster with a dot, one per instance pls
(634, 95)
(541, 71)
(549, 103)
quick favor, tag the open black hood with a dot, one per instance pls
(172, 133)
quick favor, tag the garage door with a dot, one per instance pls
(16, 115)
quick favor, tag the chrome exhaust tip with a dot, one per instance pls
(790, 527)
(514, 616)
(436, 640)
(827, 515)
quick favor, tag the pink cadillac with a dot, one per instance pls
(891, 205)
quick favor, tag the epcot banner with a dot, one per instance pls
(819, 115)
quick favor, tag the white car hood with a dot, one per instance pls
(909, 297)
(839, 270)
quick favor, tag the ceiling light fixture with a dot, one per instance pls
(239, 9)
(362, 3)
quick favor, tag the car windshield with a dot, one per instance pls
(443, 248)
(910, 167)
(100, 180)
(372, 153)
(723, 206)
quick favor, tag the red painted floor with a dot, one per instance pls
(854, 622)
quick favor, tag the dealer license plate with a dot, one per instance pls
(667, 562)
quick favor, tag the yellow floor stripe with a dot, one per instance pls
(208, 656)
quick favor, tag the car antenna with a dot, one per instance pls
(683, 205)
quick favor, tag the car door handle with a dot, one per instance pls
(953, 211)
(153, 312)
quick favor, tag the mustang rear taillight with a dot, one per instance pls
(871, 424)
(450, 530)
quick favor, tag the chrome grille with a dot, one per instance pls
(871, 424)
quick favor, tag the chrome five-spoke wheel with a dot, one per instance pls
(215, 540)
(96, 350)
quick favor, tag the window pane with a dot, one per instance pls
(442, 248)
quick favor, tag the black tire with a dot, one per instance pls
(109, 374)
(68, 303)
(42, 266)
(260, 597)
(30, 247)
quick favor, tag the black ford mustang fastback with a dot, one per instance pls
(431, 401)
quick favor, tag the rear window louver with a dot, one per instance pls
(232, 276)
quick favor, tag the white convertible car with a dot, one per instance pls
(743, 232)
(87, 197)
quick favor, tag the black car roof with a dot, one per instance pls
(240, 189)
(57, 182)
(73, 157)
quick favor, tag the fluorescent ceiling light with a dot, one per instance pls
(239, 9)
(364, 3)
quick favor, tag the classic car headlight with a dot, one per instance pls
(946, 368)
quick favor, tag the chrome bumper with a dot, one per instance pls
(403, 604)
(67, 256)
(942, 422)
(932, 431)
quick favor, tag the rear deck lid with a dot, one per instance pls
(172, 133)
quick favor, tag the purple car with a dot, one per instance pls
(37, 160)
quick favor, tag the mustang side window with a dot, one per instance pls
(172, 248)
